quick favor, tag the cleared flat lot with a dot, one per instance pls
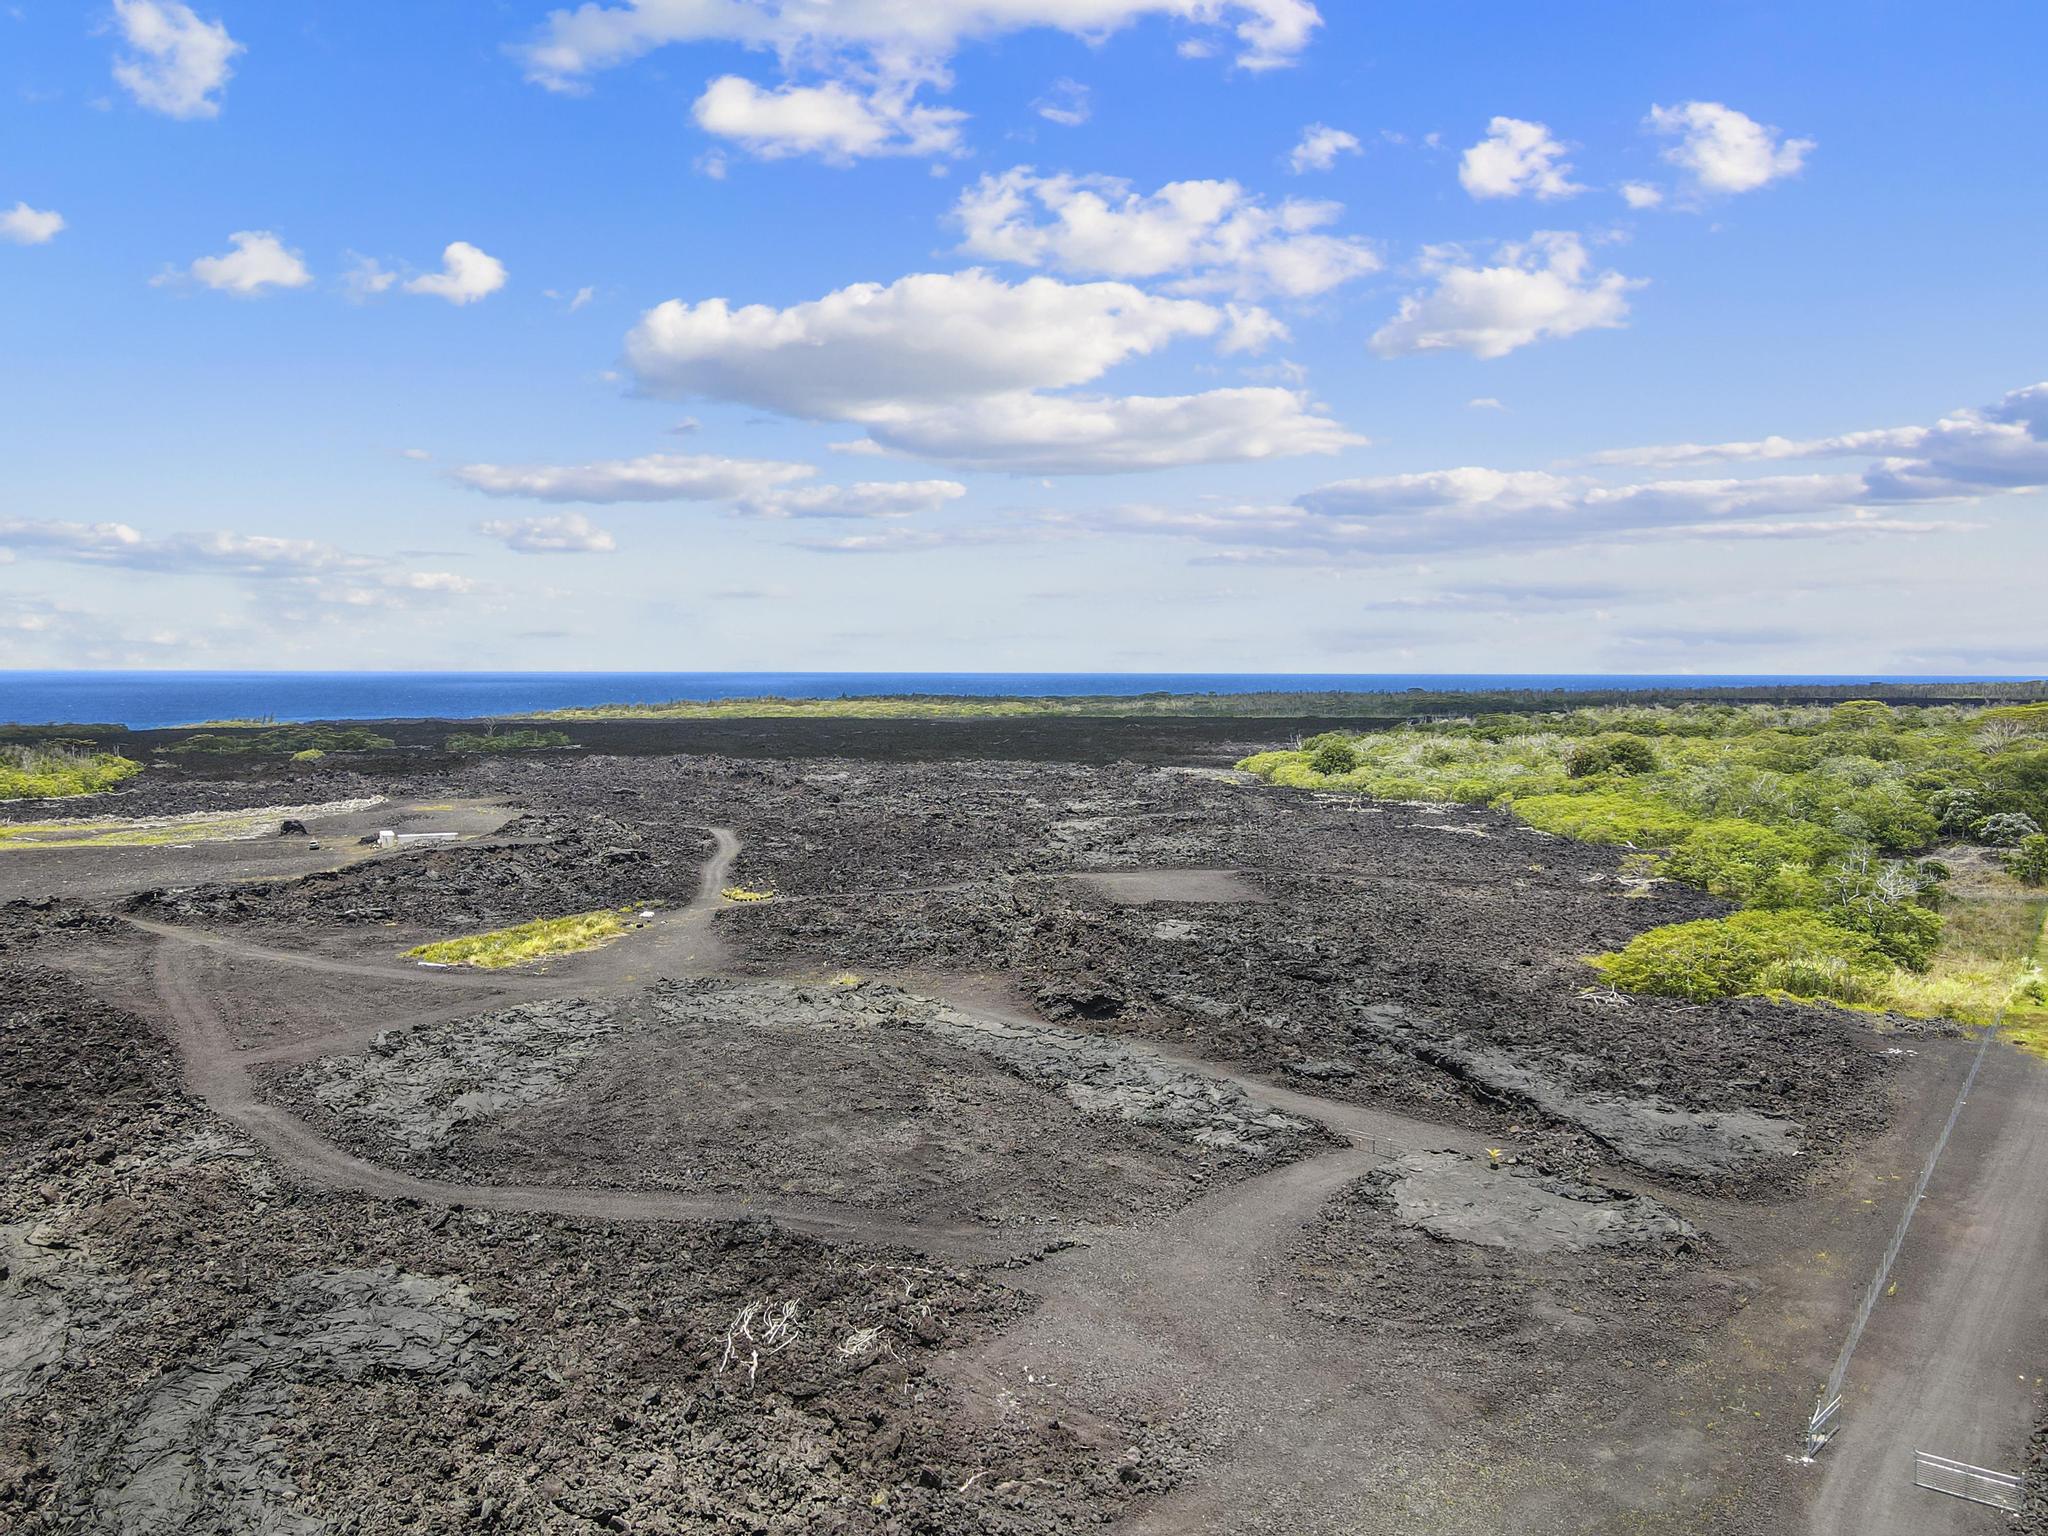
(1142, 887)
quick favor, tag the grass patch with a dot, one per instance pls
(56, 771)
(507, 741)
(741, 893)
(1990, 962)
(529, 942)
(156, 832)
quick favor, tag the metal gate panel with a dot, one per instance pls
(1980, 1485)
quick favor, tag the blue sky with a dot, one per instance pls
(1022, 334)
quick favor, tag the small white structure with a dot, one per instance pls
(387, 838)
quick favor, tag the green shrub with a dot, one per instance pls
(1746, 862)
(1956, 810)
(1615, 752)
(1797, 952)
(310, 755)
(2008, 829)
(1861, 715)
(2029, 861)
(1335, 755)
(1606, 816)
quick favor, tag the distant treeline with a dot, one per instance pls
(1332, 705)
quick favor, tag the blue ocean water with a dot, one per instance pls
(143, 700)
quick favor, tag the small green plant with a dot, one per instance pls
(310, 755)
(742, 893)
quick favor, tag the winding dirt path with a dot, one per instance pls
(679, 943)
(1173, 1322)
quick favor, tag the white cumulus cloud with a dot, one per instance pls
(955, 367)
(929, 338)
(564, 533)
(1208, 235)
(1103, 435)
(1539, 290)
(466, 275)
(1319, 148)
(1641, 194)
(833, 120)
(177, 63)
(23, 225)
(258, 261)
(1725, 151)
(1517, 158)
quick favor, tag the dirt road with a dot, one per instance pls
(1953, 1358)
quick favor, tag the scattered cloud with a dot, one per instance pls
(258, 261)
(214, 553)
(1723, 151)
(1066, 102)
(1641, 194)
(466, 275)
(864, 63)
(1765, 449)
(1517, 158)
(652, 477)
(1542, 289)
(837, 122)
(886, 36)
(366, 278)
(176, 63)
(866, 499)
(1967, 458)
(1473, 511)
(1209, 235)
(1484, 403)
(414, 453)
(23, 225)
(1319, 148)
(563, 533)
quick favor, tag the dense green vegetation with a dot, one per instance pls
(1817, 822)
(506, 741)
(287, 741)
(55, 770)
(1329, 705)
